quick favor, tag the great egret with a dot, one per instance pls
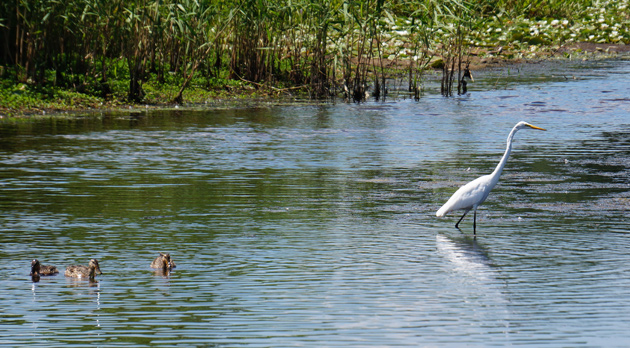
(471, 195)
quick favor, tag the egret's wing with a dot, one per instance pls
(469, 195)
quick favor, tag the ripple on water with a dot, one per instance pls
(299, 225)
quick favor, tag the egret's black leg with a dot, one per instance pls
(475, 222)
(462, 218)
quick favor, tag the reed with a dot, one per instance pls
(322, 47)
(456, 22)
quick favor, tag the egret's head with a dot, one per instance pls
(524, 124)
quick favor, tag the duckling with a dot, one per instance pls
(163, 262)
(42, 270)
(84, 272)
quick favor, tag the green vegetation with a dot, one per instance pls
(88, 53)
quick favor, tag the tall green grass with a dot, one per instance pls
(323, 47)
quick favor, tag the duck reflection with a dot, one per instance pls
(79, 283)
(164, 273)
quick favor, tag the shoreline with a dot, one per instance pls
(481, 59)
(581, 50)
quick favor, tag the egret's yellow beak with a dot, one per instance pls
(536, 127)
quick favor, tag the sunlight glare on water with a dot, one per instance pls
(314, 225)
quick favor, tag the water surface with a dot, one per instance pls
(314, 225)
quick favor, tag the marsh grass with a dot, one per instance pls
(117, 49)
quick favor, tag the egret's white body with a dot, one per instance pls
(474, 193)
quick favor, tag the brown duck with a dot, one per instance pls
(84, 272)
(163, 262)
(42, 270)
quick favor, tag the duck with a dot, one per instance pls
(42, 270)
(84, 272)
(163, 262)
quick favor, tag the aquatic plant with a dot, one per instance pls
(320, 47)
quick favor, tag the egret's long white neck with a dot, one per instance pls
(499, 169)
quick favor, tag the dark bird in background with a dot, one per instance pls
(464, 82)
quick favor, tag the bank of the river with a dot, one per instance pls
(20, 100)
(482, 59)
(104, 55)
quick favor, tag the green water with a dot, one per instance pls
(314, 225)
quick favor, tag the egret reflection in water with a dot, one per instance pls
(476, 279)
(466, 257)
